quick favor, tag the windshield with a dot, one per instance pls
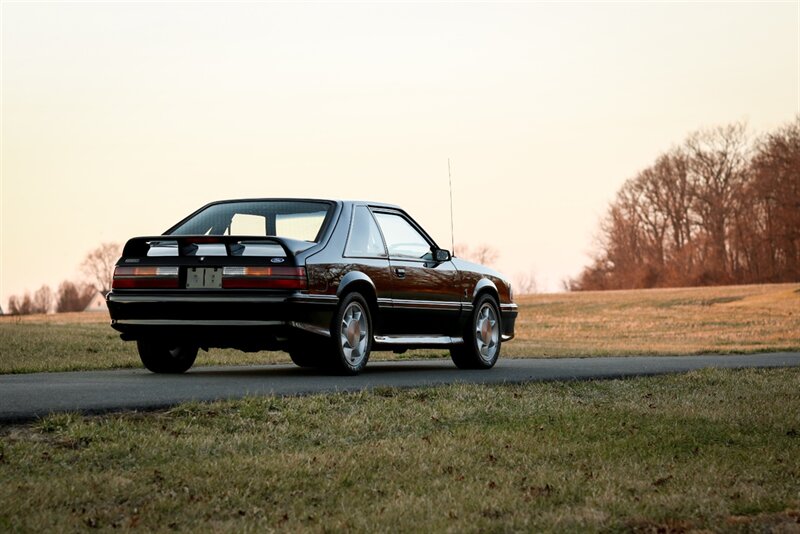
(302, 220)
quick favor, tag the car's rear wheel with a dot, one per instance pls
(482, 340)
(351, 334)
(160, 357)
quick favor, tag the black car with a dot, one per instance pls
(327, 280)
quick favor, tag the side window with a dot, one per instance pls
(402, 238)
(365, 238)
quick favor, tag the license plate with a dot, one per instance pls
(204, 277)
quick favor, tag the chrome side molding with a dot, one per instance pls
(418, 340)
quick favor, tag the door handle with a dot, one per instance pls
(400, 272)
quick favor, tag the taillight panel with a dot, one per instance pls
(264, 278)
(145, 277)
(247, 277)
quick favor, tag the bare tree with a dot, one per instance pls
(486, 254)
(461, 250)
(711, 211)
(72, 297)
(773, 198)
(483, 253)
(13, 305)
(718, 162)
(525, 284)
(42, 300)
(99, 266)
(20, 305)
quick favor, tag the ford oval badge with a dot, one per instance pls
(277, 260)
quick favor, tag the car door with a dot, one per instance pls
(426, 295)
(365, 253)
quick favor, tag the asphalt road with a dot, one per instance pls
(28, 396)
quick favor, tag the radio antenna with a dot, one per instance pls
(452, 234)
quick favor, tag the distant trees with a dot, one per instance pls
(483, 253)
(98, 267)
(770, 245)
(40, 302)
(74, 297)
(718, 209)
(525, 284)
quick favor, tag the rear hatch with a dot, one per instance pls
(210, 264)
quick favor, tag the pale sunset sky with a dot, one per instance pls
(118, 119)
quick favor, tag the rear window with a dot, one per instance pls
(299, 220)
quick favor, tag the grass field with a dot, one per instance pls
(663, 321)
(729, 319)
(713, 449)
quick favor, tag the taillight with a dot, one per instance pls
(264, 278)
(145, 278)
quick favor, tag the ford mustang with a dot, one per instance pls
(328, 281)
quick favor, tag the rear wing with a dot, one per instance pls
(213, 245)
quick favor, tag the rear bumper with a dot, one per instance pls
(248, 320)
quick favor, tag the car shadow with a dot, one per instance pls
(281, 371)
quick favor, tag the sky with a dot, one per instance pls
(118, 119)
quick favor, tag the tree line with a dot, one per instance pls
(98, 270)
(720, 208)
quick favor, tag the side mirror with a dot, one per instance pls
(440, 255)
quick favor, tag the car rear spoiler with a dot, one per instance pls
(189, 245)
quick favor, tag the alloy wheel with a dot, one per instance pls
(353, 334)
(487, 332)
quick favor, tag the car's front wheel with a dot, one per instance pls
(351, 334)
(160, 357)
(481, 346)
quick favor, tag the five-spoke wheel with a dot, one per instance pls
(351, 334)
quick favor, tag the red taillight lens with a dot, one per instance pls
(264, 278)
(145, 278)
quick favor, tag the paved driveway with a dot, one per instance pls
(25, 397)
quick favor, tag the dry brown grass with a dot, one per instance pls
(726, 319)
(58, 318)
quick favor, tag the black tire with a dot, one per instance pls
(308, 353)
(351, 335)
(160, 357)
(482, 337)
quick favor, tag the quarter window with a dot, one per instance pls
(402, 238)
(365, 238)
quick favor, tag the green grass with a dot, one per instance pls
(711, 449)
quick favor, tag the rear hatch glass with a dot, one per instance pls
(300, 220)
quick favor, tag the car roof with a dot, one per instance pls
(302, 199)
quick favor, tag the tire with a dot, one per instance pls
(160, 357)
(482, 337)
(308, 353)
(351, 335)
